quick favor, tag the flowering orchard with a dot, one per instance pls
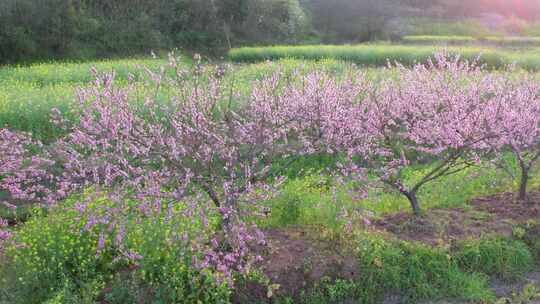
(210, 151)
(441, 113)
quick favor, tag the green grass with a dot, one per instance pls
(438, 27)
(433, 39)
(382, 54)
(312, 198)
(414, 271)
(506, 258)
(502, 41)
(53, 73)
(29, 93)
(27, 106)
(59, 262)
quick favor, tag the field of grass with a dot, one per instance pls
(382, 54)
(500, 41)
(29, 93)
(435, 27)
(60, 265)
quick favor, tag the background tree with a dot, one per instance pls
(436, 114)
(518, 129)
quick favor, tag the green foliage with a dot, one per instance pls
(56, 259)
(499, 256)
(60, 29)
(32, 30)
(530, 234)
(381, 54)
(29, 93)
(312, 200)
(70, 293)
(435, 39)
(437, 27)
(469, 40)
(54, 256)
(448, 192)
(536, 247)
(532, 29)
(328, 291)
(414, 271)
(65, 72)
(242, 76)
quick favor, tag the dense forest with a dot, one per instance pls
(38, 29)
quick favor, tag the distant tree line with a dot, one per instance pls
(38, 29)
(51, 29)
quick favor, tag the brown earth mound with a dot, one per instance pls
(297, 258)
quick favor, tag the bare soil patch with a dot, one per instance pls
(442, 226)
(296, 260)
(505, 206)
(496, 214)
(506, 289)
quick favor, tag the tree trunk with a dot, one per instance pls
(230, 221)
(413, 200)
(522, 195)
(227, 31)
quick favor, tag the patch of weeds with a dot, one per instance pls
(531, 237)
(17, 216)
(328, 291)
(479, 215)
(73, 294)
(53, 257)
(494, 255)
(122, 290)
(313, 200)
(127, 288)
(519, 232)
(414, 272)
(536, 248)
(57, 260)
